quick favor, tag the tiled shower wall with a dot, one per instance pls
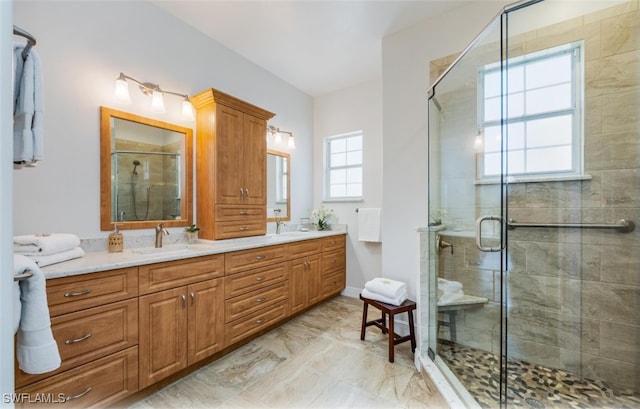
(573, 295)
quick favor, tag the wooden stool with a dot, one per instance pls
(394, 339)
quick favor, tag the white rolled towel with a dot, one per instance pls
(44, 245)
(391, 289)
(378, 297)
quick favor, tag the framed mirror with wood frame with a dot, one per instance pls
(278, 185)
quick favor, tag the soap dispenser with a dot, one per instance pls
(116, 242)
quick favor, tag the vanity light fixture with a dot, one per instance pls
(156, 93)
(277, 136)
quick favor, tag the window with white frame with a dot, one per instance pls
(542, 110)
(343, 166)
(282, 172)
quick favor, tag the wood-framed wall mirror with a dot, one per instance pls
(146, 172)
(278, 185)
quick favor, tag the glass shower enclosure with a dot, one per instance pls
(532, 267)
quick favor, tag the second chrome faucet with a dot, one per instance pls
(160, 231)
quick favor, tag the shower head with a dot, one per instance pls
(136, 163)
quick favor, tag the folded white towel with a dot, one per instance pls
(449, 286)
(386, 287)
(37, 351)
(17, 305)
(66, 255)
(448, 298)
(43, 245)
(393, 301)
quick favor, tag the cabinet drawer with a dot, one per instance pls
(241, 283)
(234, 229)
(96, 384)
(68, 294)
(333, 243)
(90, 334)
(304, 248)
(245, 304)
(226, 213)
(333, 261)
(333, 284)
(242, 328)
(161, 276)
(247, 259)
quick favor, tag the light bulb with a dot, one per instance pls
(157, 102)
(122, 91)
(187, 111)
(291, 144)
(278, 138)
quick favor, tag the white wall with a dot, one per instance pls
(83, 47)
(6, 228)
(405, 70)
(351, 109)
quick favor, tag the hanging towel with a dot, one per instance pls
(37, 351)
(387, 300)
(28, 108)
(66, 255)
(369, 228)
(44, 244)
(386, 287)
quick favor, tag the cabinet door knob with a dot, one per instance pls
(193, 297)
(247, 192)
(77, 294)
(73, 341)
(184, 300)
(259, 300)
(241, 193)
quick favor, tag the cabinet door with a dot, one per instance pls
(255, 160)
(230, 160)
(297, 285)
(205, 319)
(163, 339)
(314, 280)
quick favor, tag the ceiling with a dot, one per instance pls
(317, 46)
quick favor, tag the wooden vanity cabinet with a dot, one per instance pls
(305, 274)
(94, 319)
(334, 266)
(231, 155)
(181, 325)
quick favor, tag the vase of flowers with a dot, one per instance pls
(192, 233)
(321, 217)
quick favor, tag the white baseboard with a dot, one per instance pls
(352, 292)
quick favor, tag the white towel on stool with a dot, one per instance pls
(37, 351)
(378, 297)
(386, 287)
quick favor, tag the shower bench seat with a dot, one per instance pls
(467, 302)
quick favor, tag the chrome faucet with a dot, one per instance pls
(279, 224)
(160, 231)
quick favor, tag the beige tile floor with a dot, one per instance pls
(313, 361)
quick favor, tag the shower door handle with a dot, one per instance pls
(479, 234)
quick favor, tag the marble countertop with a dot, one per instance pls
(101, 261)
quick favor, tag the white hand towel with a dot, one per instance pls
(66, 255)
(369, 226)
(37, 351)
(393, 301)
(28, 109)
(40, 245)
(448, 298)
(17, 305)
(386, 287)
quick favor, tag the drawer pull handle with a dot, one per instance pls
(193, 297)
(241, 193)
(184, 300)
(68, 398)
(244, 228)
(244, 212)
(260, 321)
(259, 300)
(73, 341)
(260, 257)
(334, 261)
(259, 278)
(77, 294)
